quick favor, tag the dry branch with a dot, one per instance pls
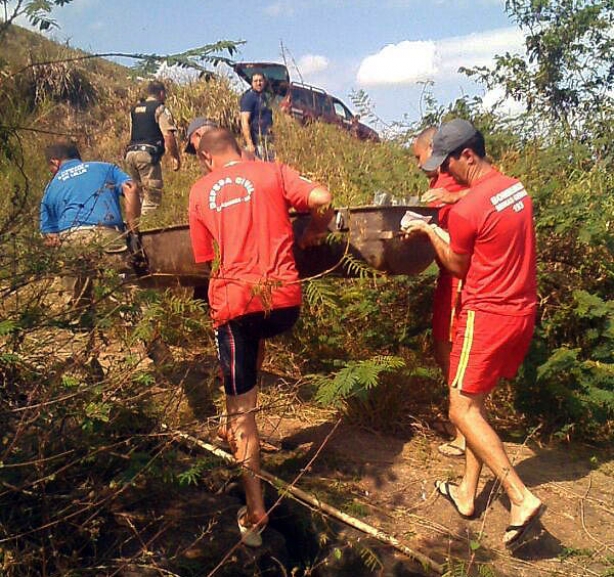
(313, 501)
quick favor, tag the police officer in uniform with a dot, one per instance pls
(152, 133)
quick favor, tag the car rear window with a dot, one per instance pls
(302, 98)
(323, 103)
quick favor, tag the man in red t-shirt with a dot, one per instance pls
(492, 247)
(443, 192)
(239, 223)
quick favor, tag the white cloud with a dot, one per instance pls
(478, 49)
(413, 61)
(280, 8)
(495, 100)
(312, 64)
(401, 63)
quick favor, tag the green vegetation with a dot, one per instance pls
(81, 433)
(37, 12)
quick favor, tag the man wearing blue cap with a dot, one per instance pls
(492, 248)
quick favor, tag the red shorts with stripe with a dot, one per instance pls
(488, 347)
(445, 307)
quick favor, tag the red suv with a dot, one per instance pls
(304, 102)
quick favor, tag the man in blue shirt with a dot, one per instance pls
(80, 207)
(257, 119)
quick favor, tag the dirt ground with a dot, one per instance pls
(388, 483)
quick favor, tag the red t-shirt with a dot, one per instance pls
(239, 220)
(445, 307)
(444, 180)
(494, 224)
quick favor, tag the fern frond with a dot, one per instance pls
(321, 296)
(369, 558)
(358, 268)
(486, 571)
(354, 379)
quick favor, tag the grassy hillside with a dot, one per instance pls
(22, 47)
(90, 100)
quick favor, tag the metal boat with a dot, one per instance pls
(361, 239)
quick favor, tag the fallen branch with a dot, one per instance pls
(603, 545)
(312, 500)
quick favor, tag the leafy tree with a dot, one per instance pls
(38, 13)
(567, 73)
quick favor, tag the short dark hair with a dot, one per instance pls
(155, 87)
(425, 137)
(475, 143)
(62, 151)
(218, 140)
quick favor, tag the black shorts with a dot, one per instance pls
(238, 342)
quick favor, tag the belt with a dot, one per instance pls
(90, 227)
(115, 245)
(142, 147)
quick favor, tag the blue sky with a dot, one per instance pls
(385, 47)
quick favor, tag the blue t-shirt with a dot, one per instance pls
(261, 116)
(83, 194)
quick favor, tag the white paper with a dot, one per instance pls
(410, 216)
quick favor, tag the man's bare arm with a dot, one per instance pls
(322, 212)
(245, 116)
(443, 195)
(170, 143)
(457, 264)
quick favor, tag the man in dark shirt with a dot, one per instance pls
(152, 133)
(257, 119)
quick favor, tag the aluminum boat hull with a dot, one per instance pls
(366, 236)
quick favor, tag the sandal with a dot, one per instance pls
(521, 532)
(250, 536)
(443, 488)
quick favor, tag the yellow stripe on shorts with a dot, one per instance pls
(464, 359)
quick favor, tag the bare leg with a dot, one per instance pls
(441, 352)
(246, 449)
(467, 412)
